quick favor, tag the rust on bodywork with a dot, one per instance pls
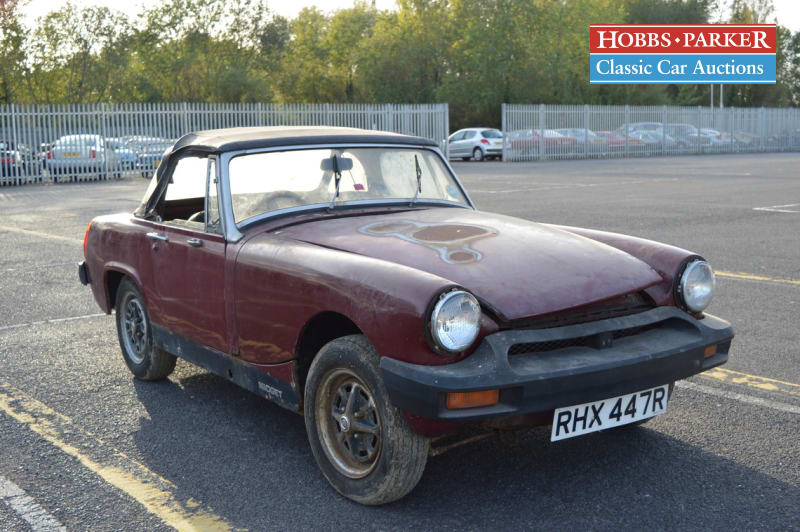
(452, 241)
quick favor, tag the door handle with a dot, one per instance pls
(156, 236)
(195, 242)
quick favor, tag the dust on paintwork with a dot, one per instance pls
(451, 240)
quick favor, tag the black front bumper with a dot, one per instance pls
(607, 358)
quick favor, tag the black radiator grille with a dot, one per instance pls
(592, 341)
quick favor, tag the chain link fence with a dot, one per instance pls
(96, 142)
(539, 132)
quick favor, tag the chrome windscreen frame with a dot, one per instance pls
(232, 230)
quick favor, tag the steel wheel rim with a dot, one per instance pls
(349, 424)
(134, 328)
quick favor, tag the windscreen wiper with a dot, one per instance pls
(338, 176)
(419, 181)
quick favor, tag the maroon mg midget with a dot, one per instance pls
(346, 275)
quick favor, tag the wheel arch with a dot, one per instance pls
(320, 329)
(112, 277)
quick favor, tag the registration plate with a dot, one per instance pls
(577, 420)
(73, 154)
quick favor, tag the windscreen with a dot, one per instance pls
(271, 181)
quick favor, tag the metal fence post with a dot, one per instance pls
(663, 129)
(542, 143)
(627, 127)
(105, 143)
(14, 178)
(586, 131)
(503, 129)
(762, 129)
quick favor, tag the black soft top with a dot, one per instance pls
(218, 141)
(245, 138)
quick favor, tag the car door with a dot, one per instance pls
(188, 255)
(469, 142)
(455, 146)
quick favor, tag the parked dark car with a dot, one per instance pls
(346, 275)
(149, 151)
(687, 135)
(17, 161)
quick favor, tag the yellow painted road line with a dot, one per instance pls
(751, 277)
(753, 381)
(40, 234)
(152, 491)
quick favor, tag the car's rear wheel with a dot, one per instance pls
(360, 441)
(145, 361)
(477, 154)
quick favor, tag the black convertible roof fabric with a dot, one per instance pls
(246, 138)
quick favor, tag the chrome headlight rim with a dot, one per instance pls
(689, 266)
(435, 307)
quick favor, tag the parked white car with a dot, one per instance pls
(74, 155)
(476, 143)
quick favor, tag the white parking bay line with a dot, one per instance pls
(749, 399)
(780, 208)
(55, 320)
(28, 509)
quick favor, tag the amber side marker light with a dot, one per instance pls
(472, 399)
(711, 351)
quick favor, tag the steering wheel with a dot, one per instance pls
(284, 200)
(199, 216)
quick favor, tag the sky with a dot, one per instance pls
(287, 8)
(787, 12)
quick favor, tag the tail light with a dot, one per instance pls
(86, 238)
(50, 154)
(93, 154)
(484, 141)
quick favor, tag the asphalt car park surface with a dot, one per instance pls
(95, 449)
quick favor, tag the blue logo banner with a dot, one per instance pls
(682, 68)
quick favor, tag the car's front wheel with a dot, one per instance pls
(135, 332)
(360, 441)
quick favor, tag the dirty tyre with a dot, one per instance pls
(360, 441)
(477, 154)
(135, 333)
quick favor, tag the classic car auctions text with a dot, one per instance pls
(720, 53)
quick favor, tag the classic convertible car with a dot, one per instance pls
(346, 275)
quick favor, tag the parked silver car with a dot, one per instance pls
(74, 155)
(477, 143)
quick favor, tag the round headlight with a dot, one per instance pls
(696, 286)
(455, 321)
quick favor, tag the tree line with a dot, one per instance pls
(472, 54)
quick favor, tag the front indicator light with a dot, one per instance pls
(710, 351)
(458, 400)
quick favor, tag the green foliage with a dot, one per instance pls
(473, 54)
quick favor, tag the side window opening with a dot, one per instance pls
(184, 199)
